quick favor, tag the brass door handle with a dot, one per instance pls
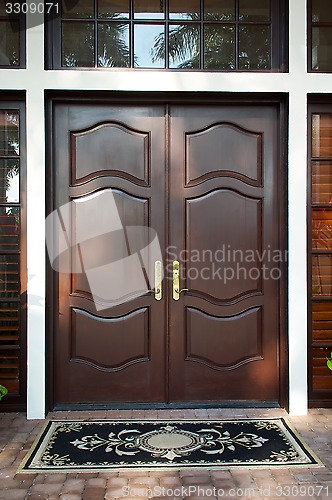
(176, 281)
(158, 290)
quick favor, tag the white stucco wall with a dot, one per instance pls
(297, 83)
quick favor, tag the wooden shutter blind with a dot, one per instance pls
(321, 257)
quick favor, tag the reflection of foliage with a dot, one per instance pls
(9, 42)
(256, 48)
(9, 146)
(14, 60)
(113, 49)
(184, 45)
(219, 48)
(321, 234)
(78, 46)
(321, 238)
(219, 45)
(10, 171)
(11, 133)
(9, 167)
(14, 212)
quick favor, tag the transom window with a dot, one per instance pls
(191, 34)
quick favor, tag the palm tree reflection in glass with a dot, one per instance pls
(219, 45)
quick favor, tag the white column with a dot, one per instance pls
(35, 223)
(297, 186)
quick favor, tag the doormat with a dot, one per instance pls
(92, 446)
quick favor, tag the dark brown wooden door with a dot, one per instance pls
(205, 178)
(224, 331)
(114, 353)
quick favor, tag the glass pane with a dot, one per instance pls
(322, 321)
(113, 9)
(113, 45)
(9, 43)
(254, 10)
(184, 46)
(321, 10)
(9, 133)
(322, 229)
(9, 371)
(219, 47)
(321, 375)
(9, 323)
(149, 9)
(254, 47)
(321, 274)
(78, 44)
(322, 49)
(322, 135)
(9, 229)
(78, 9)
(149, 46)
(9, 276)
(219, 10)
(187, 9)
(9, 181)
(321, 182)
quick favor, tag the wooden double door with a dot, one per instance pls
(206, 179)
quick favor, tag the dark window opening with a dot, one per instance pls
(320, 36)
(12, 37)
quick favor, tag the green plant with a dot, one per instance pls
(329, 362)
(3, 391)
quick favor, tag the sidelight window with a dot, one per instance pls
(12, 263)
(224, 35)
(321, 254)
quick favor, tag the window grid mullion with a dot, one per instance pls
(167, 27)
(95, 35)
(237, 34)
(131, 34)
(201, 35)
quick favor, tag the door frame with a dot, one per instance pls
(280, 101)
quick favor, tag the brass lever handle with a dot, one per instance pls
(176, 281)
(157, 290)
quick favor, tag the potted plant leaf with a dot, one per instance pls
(329, 362)
(3, 391)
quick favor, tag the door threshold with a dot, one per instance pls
(166, 406)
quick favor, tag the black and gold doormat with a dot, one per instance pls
(154, 444)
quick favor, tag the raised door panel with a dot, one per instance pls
(228, 342)
(99, 151)
(100, 244)
(227, 253)
(110, 344)
(242, 160)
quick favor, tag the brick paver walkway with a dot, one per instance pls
(17, 434)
